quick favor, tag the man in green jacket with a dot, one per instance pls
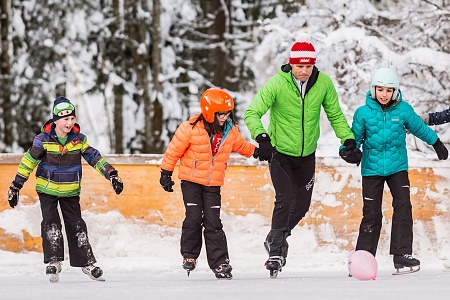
(294, 97)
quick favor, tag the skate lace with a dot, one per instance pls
(408, 256)
(279, 259)
(223, 268)
(190, 260)
(56, 264)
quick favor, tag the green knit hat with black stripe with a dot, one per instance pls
(62, 108)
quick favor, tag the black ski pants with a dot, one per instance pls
(293, 181)
(402, 223)
(202, 204)
(80, 251)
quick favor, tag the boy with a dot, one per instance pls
(57, 153)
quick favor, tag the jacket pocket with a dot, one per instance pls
(194, 168)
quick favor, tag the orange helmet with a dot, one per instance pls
(214, 100)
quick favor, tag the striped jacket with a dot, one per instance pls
(59, 170)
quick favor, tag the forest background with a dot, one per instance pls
(135, 69)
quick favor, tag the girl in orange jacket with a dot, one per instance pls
(203, 145)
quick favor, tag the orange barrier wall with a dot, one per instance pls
(247, 190)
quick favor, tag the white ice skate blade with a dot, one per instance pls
(54, 278)
(273, 274)
(408, 271)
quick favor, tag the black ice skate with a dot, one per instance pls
(53, 269)
(284, 248)
(95, 273)
(223, 271)
(406, 260)
(189, 264)
(275, 264)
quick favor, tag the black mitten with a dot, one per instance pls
(13, 193)
(166, 180)
(349, 153)
(265, 147)
(441, 150)
(116, 182)
(256, 153)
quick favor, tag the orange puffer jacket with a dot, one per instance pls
(192, 146)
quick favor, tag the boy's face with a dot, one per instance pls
(384, 94)
(302, 72)
(65, 125)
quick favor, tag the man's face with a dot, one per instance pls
(302, 72)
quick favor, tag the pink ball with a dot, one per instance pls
(362, 265)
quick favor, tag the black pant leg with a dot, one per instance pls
(370, 228)
(303, 176)
(191, 232)
(80, 250)
(402, 222)
(285, 193)
(52, 238)
(215, 238)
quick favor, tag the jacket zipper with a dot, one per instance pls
(302, 103)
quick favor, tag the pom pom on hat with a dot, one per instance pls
(62, 107)
(303, 52)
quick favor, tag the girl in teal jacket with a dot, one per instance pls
(380, 127)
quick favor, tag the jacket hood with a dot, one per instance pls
(49, 127)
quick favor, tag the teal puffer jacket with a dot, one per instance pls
(294, 122)
(383, 135)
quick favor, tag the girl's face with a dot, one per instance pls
(64, 125)
(222, 116)
(384, 94)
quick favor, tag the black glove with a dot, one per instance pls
(13, 193)
(265, 147)
(349, 153)
(116, 182)
(166, 180)
(441, 150)
(256, 153)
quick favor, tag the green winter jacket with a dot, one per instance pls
(294, 122)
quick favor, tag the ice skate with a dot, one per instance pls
(284, 248)
(189, 264)
(405, 260)
(223, 271)
(95, 273)
(52, 270)
(275, 264)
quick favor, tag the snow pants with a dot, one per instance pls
(202, 204)
(402, 223)
(80, 251)
(293, 181)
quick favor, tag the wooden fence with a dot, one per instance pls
(248, 189)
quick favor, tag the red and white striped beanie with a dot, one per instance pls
(303, 52)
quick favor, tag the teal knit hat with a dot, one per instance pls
(62, 108)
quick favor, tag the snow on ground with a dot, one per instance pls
(142, 261)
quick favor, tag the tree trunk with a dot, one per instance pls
(5, 76)
(222, 54)
(118, 89)
(157, 122)
(136, 31)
